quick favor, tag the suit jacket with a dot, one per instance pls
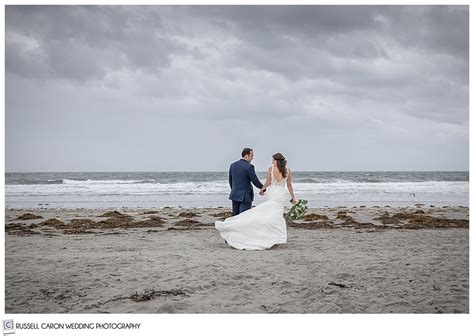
(241, 175)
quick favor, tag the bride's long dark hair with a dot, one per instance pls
(281, 163)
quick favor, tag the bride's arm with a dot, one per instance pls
(267, 182)
(290, 187)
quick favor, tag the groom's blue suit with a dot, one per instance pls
(241, 175)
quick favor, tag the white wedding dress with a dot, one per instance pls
(261, 227)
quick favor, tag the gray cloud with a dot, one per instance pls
(87, 85)
(86, 42)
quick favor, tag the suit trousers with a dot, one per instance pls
(239, 207)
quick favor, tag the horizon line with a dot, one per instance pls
(221, 171)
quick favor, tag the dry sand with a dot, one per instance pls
(337, 260)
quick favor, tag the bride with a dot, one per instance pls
(262, 226)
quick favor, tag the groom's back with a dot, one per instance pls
(238, 171)
(239, 181)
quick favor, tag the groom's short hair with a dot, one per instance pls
(246, 151)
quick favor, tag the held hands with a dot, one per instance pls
(262, 191)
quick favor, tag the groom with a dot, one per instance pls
(241, 173)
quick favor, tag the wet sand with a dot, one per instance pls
(172, 260)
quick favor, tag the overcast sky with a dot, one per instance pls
(185, 88)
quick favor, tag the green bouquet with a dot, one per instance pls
(298, 209)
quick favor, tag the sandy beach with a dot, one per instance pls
(172, 260)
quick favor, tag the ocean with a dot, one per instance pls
(211, 189)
